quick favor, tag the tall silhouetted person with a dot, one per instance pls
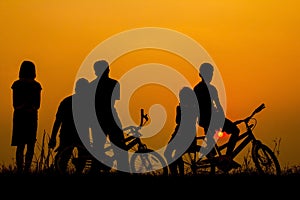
(106, 92)
(212, 114)
(26, 103)
(186, 121)
(65, 123)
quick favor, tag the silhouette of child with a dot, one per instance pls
(26, 102)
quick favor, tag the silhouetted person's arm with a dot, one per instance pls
(178, 114)
(216, 101)
(17, 103)
(116, 92)
(55, 128)
(37, 100)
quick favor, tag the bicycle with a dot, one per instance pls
(143, 160)
(197, 161)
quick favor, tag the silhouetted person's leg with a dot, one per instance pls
(233, 130)
(64, 158)
(173, 168)
(180, 166)
(82, 159)
(171, 163)
(210, 143)
(169, 154)
(120, 153)
(117, 137)
(99, 139)
(97, 165)
(20, 157)
(28, 156)
(170, 160)
(211, 147)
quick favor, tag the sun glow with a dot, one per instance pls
(221, 134)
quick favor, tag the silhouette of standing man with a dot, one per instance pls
(107, 92)
(211, 111)
(64, 122)
(26, 102)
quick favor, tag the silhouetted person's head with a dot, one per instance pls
(206, 71)
(27, 70)
(187, 97)
(101, 68)
(82, 85)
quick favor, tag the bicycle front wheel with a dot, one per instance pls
(265, 160)
(148, 162)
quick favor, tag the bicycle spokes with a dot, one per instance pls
(265, 160)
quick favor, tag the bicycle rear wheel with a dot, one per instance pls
(196, 163)
(265, 160)
(73, 160)
(148, 162)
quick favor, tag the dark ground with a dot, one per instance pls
(126, 186)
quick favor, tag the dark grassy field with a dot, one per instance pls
(40, 167)
(235, 185)
(243, 182)
(239, 183)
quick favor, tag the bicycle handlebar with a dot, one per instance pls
(257, 110)
(135, 129)
(143, 116)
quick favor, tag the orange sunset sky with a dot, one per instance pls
(254, 44)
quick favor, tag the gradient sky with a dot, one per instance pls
(255, 45)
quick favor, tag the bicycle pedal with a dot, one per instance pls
(234, 164)
(225, 163)
(212, 154)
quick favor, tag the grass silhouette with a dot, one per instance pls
(43, 160)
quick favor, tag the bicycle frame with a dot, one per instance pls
(133, 136)
(246, 136)
(143, 160)
(196, 161)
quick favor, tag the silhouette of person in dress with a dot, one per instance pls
(186, 121)
(26, 103)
